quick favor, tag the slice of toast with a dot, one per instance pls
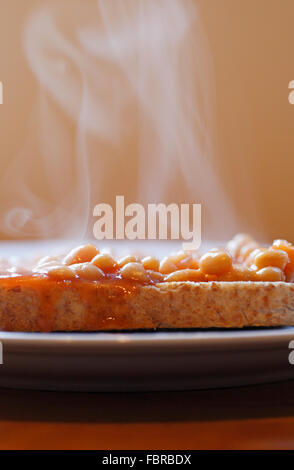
(42, 304)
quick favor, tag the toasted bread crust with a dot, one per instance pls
(44, 305)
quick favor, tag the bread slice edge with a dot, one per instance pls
(168, 305)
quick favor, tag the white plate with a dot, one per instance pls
(180, 360)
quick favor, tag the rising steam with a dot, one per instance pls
(125, 106)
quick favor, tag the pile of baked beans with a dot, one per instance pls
(243, 259)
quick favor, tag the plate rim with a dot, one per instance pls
(141, 339)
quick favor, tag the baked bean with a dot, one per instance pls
(282, 244)
(271, 257)
(194, 264)
(134, 271)
(61, 273)
(127, 259)
(47, 260)
(211, 277)
(105, 262)
(182, 259)
(186, 275)
(87, 271)
(167, 265)
(151, 263)
(186, 262)
(42, 268)
(81, 254)
(215, 262)
(155, 276)
(238, 273)
(285, 246)
(234, 246)
(246, 250)
(251, 257)
(176, 261)
(270, 273)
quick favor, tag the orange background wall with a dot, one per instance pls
(251, 43)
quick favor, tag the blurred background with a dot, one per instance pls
(156, 100)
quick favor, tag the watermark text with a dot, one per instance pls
(162, 222)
